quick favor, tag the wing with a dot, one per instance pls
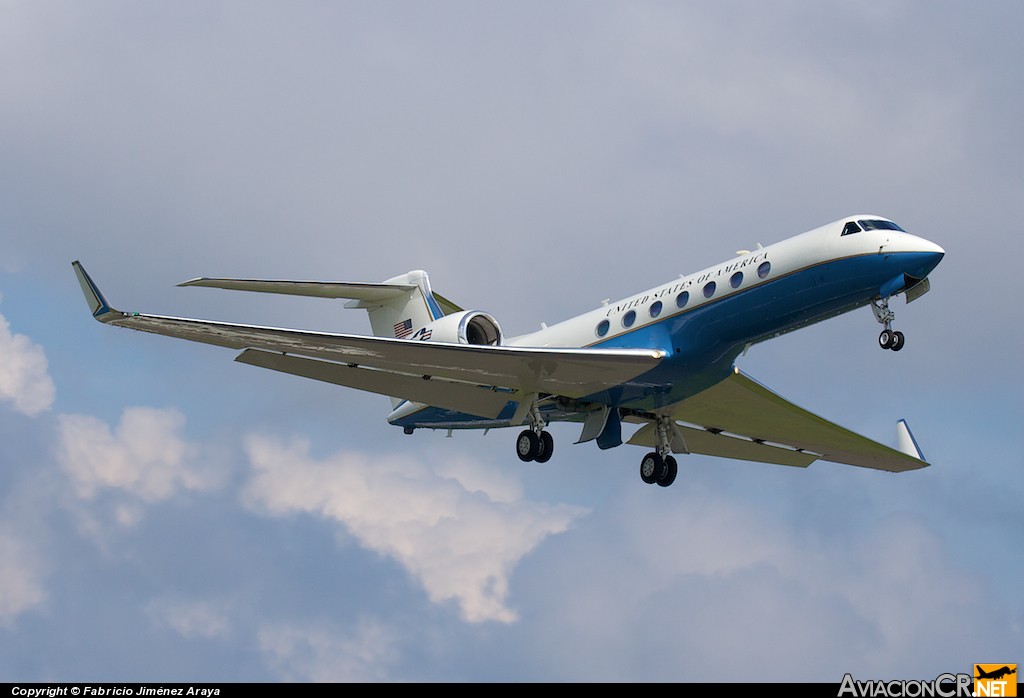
(461, 373)
(740, 418)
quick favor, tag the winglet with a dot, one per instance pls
(98, 305)
(906, 441)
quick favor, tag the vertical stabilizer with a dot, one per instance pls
(403, 313)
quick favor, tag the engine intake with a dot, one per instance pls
(466, 327)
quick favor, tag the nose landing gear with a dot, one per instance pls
(889, 338)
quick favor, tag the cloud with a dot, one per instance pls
(20, 585)
(145, 457)
(24, 380)
(459, 531)
(323, 655)
(716, 587)
(192, 619)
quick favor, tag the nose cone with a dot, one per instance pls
(926, 256)
(930, 247)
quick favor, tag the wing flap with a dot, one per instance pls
(462, 397)
(740, 405)
(708, 443)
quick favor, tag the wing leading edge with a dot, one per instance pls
(568, 372)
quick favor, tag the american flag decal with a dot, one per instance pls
(403, 329)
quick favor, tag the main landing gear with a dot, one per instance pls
(889, 338)
(535, 444)
(659, 466)
(655, 468)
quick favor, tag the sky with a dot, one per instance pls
(169, 515)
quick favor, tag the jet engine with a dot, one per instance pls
(465, 327)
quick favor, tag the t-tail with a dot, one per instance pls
(397, 307)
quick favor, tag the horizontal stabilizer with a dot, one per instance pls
(320, 289)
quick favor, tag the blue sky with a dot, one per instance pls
(166, 514)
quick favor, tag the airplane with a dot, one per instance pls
(997, 674)
(664, 358)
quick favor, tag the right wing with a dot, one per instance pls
(399, 367)
(740, 418)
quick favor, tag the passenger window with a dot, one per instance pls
(709, 289)
(762, 271)
(602, 328)
(656, 309)
(682, 299)
(736, 279)
(629, 318)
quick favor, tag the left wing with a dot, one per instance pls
(394, 362)
(740, 418)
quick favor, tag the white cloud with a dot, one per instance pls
(145, 457)
(24, 379)
(192, 619)
(20, 585)
(460, 541)
(321, 655)
(717, 587)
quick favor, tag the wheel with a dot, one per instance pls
(547, 447)
(885, 339)
(897, 341)
(652, 468)
(670, 472)
(527, 445)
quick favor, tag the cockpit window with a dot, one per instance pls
(851, 228)
(879, 225)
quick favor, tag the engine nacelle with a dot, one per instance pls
(466, 327)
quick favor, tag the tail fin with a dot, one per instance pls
(401, 313)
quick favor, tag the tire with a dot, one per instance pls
(652, 468)
(527, 445)
(885, 339)
(671, 468)
(897, 341)
(547, 447)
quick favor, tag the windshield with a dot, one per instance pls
(880, 225)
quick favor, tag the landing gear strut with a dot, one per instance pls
(535, 444)
(889, 338)
(659, 466)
